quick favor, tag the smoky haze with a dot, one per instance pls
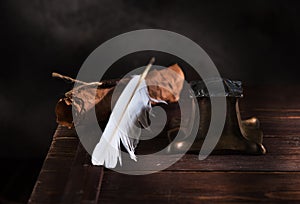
(254, 41)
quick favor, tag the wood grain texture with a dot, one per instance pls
(68, 177)
(198, 187)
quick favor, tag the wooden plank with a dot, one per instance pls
(197, 187)
(238, 163)
(92, 185)
(84, 181)
(190, 162)
(53, 176)
(65, 177)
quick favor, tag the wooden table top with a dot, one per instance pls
(68, 177)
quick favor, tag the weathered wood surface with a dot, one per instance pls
(68, 177)
(197, 187)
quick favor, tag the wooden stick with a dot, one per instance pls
(57, 75)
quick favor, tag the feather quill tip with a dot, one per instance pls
(133, 156)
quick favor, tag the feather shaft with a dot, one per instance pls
(107, 151)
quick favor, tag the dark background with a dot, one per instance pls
(253, 41)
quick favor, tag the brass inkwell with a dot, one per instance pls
(238, 136)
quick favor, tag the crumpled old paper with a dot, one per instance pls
(165, 84)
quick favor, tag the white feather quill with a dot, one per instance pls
(122, 124)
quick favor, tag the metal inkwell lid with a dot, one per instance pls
(232, 88)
